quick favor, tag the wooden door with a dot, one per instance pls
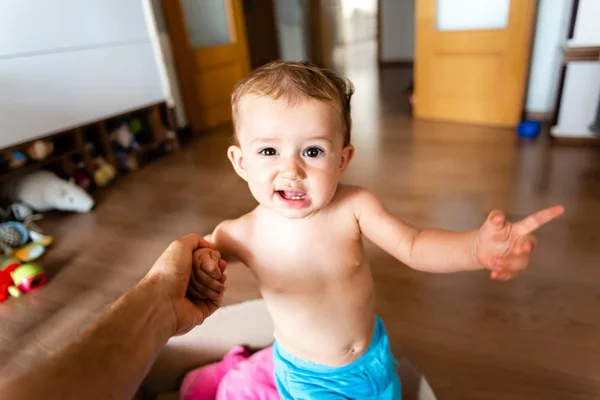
(472, 75)
(210, 50)
(261, 29)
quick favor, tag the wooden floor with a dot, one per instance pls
(537, 337)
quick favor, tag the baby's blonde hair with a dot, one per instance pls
(295, 82)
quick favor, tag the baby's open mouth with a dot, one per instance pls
(291, 194)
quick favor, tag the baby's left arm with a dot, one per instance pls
(499, 245)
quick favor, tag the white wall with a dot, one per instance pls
(65, 63)
(579, 101)
(546, 59)
(587, 26)
(397, 30)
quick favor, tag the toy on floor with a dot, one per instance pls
(20, 211)
(26, 243)
(528, 128)
(43, 191)
(17, 278)
(238, 376)
(27, 278)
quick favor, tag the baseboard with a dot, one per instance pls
(539, 116)
(575, 141)
(396, 63)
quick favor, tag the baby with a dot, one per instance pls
(304, 239)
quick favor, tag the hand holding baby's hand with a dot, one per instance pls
(207, 280)
(504, 247)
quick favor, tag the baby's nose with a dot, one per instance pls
(291, 170)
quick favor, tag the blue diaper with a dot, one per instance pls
(372, 376)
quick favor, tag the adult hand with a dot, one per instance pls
(504, 247)
(169, 279)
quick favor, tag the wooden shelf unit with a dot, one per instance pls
(71, 143)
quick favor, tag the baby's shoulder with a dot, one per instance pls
(353, 196)
(231, 236)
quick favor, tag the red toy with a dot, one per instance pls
(17, 278)
(5, 282)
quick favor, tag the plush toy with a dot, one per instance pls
(20, 211)
(43, 191)
(40, 150)
(123, 143)
(104, 172)
(122, 140)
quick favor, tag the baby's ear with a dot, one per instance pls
(237, 160)
(347, 154)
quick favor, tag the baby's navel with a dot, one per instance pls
(278, 290)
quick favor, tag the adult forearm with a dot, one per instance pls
(435, 250)
(97, 366)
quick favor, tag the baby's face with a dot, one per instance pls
(291, 156)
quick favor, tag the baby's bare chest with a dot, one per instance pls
(288, 254)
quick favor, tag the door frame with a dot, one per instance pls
(184, 57)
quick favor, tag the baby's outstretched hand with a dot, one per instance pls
(504, 247)
(207, 280)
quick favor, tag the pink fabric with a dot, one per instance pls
(202, 383)
(238, 376)
(253, 378)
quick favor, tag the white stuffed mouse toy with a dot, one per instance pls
(43, 191)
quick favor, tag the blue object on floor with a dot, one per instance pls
(529, 129)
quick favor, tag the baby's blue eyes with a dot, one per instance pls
(312, 152)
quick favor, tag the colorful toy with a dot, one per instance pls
(5, 283)
(104, 172)
(17, 278)
(13, 234)
(20, 241)
(529, 129)
(27, 278)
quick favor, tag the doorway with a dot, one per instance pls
(354, 36)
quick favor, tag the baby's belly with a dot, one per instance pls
(331, 325)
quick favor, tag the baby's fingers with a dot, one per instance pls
(510, 267)
(525, 245)
(503, 276)
(200, 291)
(203, 279)
(209, 261)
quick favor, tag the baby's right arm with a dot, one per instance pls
(208, 275)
